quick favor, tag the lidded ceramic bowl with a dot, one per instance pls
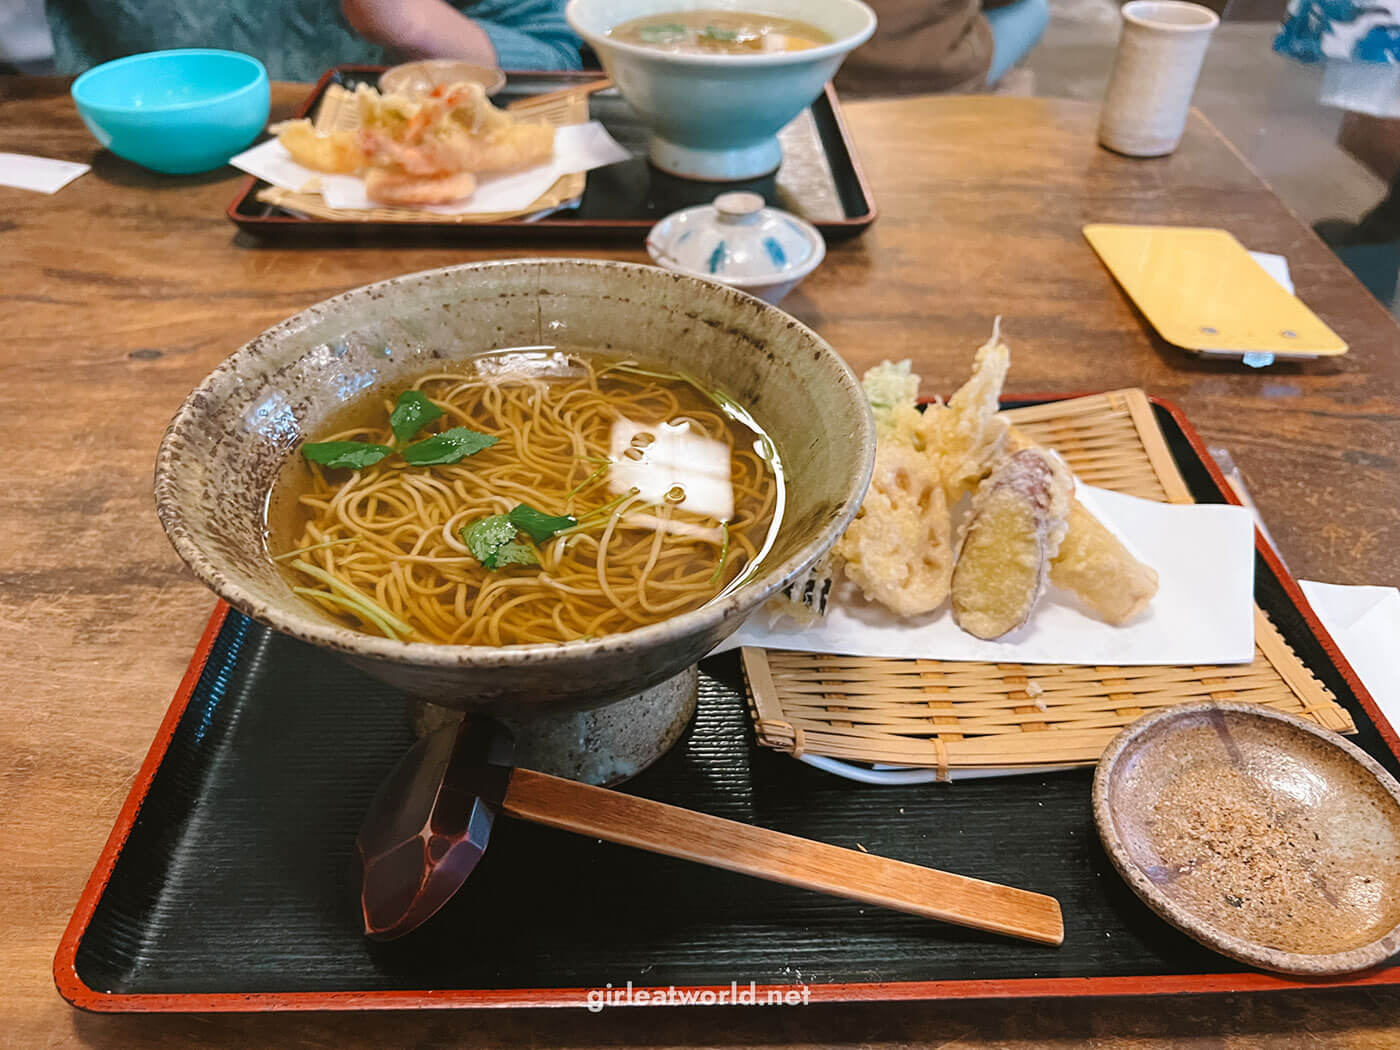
(739, 242)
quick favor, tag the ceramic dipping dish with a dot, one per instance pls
(1265, 837)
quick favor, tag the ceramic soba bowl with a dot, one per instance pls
(228, 442)
(716, 117)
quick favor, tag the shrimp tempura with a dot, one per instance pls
(968, 436)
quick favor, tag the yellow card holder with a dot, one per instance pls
(1203, 292)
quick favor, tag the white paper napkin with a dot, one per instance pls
(1365, 624)
(577, 147)
(1276, 266)
(38, 173)
(271, 162)
(1203, 612)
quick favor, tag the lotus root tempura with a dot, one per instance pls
(527, 496)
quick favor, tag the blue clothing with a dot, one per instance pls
(1016, 28)
(294, 39)
(527, 34)
(1341, 30)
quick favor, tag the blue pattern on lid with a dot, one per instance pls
(716, 261)
(772, 252)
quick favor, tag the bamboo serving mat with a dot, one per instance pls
(959, 715)
(339, 112)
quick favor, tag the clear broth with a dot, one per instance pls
(660, 558)
(716, 32)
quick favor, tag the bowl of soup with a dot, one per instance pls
(716, 80)
(530, 488)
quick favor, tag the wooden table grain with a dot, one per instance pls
(119, 293)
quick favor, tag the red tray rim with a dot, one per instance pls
(77, 992)
(851, 223)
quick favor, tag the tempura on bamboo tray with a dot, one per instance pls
(421, 150)
(1021, 526)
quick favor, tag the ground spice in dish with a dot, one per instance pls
(1258, 851)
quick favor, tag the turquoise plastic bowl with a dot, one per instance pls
(179, 112)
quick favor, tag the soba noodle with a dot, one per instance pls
(382, 548)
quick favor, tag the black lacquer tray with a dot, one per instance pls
(820, 180)
(228, 882)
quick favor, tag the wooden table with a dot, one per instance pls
(121, 292)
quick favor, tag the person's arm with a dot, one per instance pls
(420, 29)
(514, 34)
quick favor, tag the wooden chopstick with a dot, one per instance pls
(777, 857)
(549, 97)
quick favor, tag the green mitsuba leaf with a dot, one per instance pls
(412, 413)
(663, 33)
(488, 535)
(493, 542)
(448, 447)
(716, 33)
(516, 554)
(538, 525)
(344, 455)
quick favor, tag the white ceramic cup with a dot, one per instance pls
(1154, 75)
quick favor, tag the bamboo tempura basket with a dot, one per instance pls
(339, 112)
(951, 715)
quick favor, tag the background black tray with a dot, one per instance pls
(621, 201)
(235, 886)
